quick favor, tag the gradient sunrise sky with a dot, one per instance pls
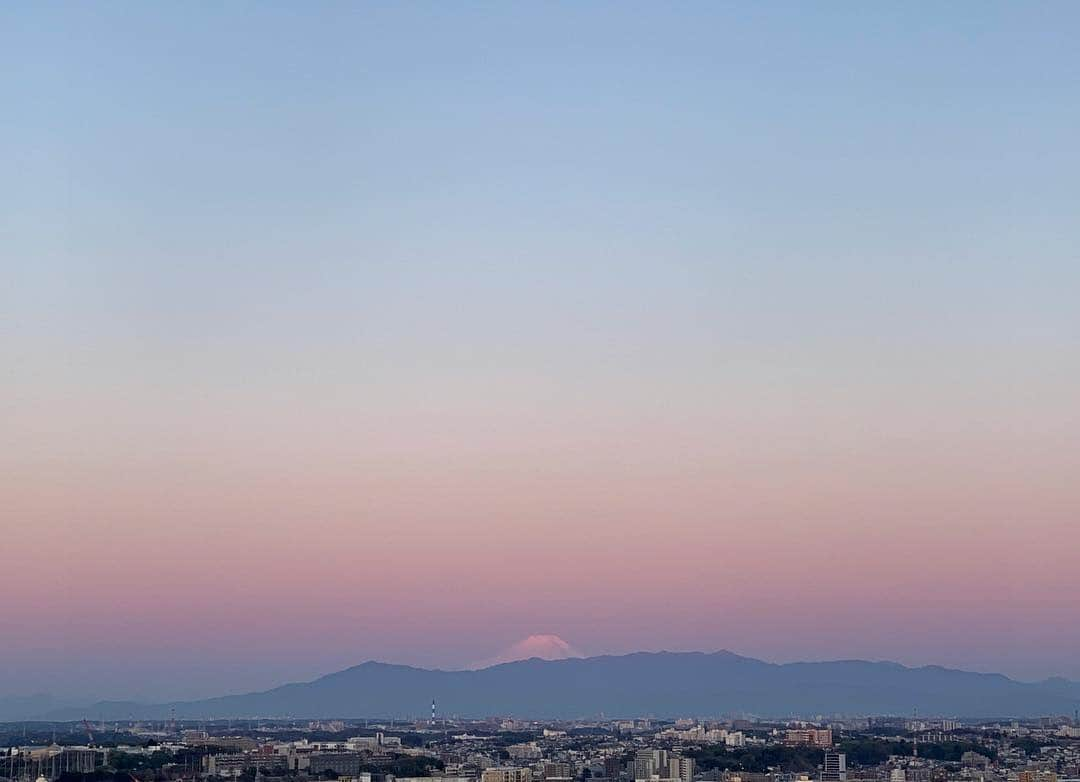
(337, 331)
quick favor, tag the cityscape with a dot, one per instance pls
(440, 748)
(165, 743)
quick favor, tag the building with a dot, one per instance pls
(649, 763)
(344, 764)
(815, 737)
(558, 771)
(681, 768)
(835, 768)
(1036, 776)
(506, 774)
(527, 751)
(235, 763)
(373, 743)
(974, 760)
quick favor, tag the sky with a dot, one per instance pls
(404, 331)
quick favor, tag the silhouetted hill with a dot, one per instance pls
(664, 684)
(15, 707)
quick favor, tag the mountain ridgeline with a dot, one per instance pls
(663, 684)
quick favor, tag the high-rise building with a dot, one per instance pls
(642, 768)
(835, 768)
(650, 762)
(681, 768)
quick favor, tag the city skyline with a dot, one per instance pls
(406, 332)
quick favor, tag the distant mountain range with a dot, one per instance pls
(663, 684)
(17, 707)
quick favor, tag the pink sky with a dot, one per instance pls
(314, 541)
(407, 332)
